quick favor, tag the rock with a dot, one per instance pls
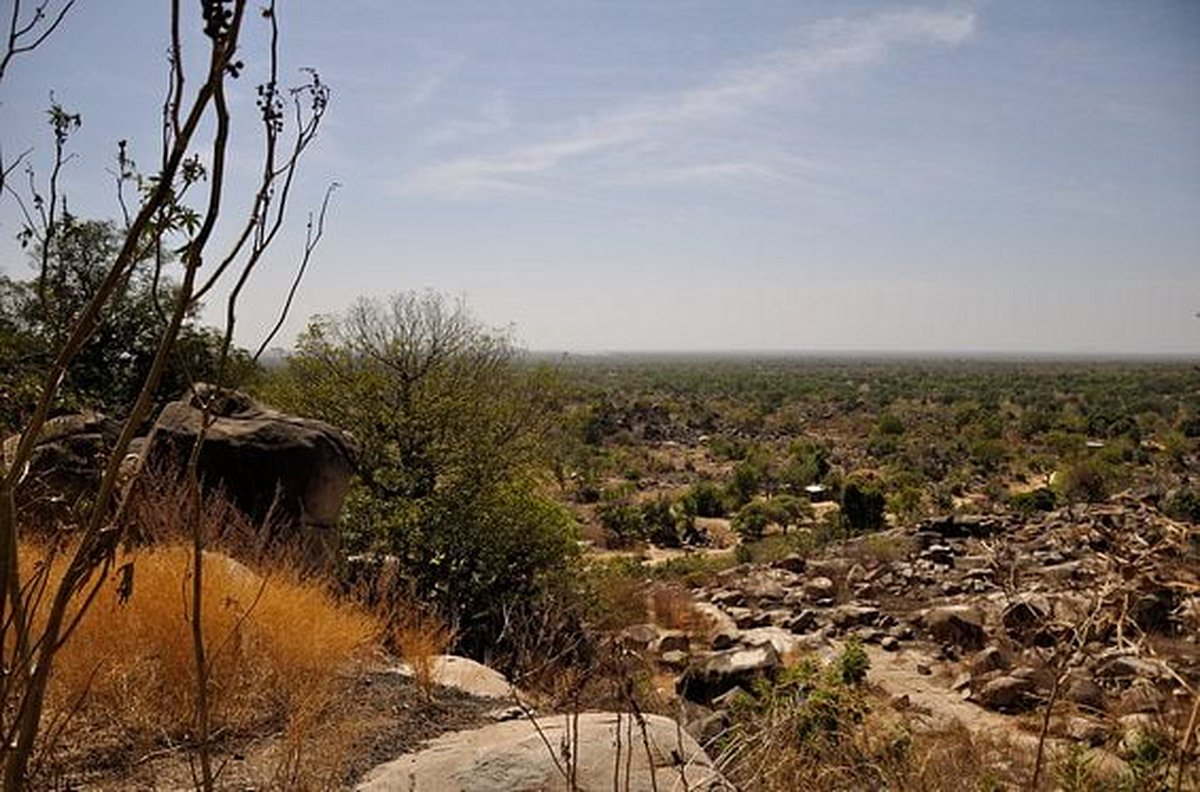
(1141, 697)
(940, 554)
(639, 637)
(784, 642)
(890, 643)
(988, 660)
(1005, 694)
(767, 585)
(1085, 693)
(801, 622)
(708, 677)
(792, 563)
(672, 641)
(924, 669)
(296, 471)
(703, 724)
(742, 617)
(674, 659)
(961, 526)
(728, 598)
(466, 675)
(957, 625)
(819, 588)
(512, 756)
(1126, 668)
(721, 628)
(1086, 730)
(852, 615)
(727, 699)
(66, 464)
(1026, 620)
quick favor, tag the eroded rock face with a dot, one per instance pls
(295, 471)
(513, 756)
(65, 466)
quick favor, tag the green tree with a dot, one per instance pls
(453, 437)
(36, 315)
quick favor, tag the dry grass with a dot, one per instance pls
(673, 607)
(276, 645)
(421, 636)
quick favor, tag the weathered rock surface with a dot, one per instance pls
(710, 676)
(269, 464)
(66, 464)
(514, 757)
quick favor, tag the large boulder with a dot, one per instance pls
(292, 472)
(65, 466)
(516, 755)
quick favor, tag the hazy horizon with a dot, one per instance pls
(852, 176)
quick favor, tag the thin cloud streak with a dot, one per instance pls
(657, 123)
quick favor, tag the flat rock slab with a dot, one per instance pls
(512, 756)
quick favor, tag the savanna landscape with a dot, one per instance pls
(385, 545)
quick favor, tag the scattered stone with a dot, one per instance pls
(987, 660)
(819, 588)
(1005, 694)
(639, 637)
(708, 677)
(958, 625)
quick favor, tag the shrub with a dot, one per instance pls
(625, 521)
(863, 506)
(748, 479)
(454, 438)
(752, 520)
(704, 499)
(1041, 499)
(1086, 480)
(1184, 504)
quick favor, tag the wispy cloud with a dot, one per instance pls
(659, 124)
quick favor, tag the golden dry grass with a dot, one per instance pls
(276, 645)
(673, 607)
(421, 636)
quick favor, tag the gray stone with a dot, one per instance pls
(708, 677)
(1006, 694)
(957, 625)
(462, 673)
(270, 465)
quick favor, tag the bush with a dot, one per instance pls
(748, 479)
(1041, 499)
(704, 499)
(1184, 505)
(1086, 480)
(624, 521)
(863, 506)
(752, 520)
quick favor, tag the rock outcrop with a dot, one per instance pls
(291, 472)
(65, 466)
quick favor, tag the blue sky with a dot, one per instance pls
(714, 175)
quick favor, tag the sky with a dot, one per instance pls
(633, 175)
